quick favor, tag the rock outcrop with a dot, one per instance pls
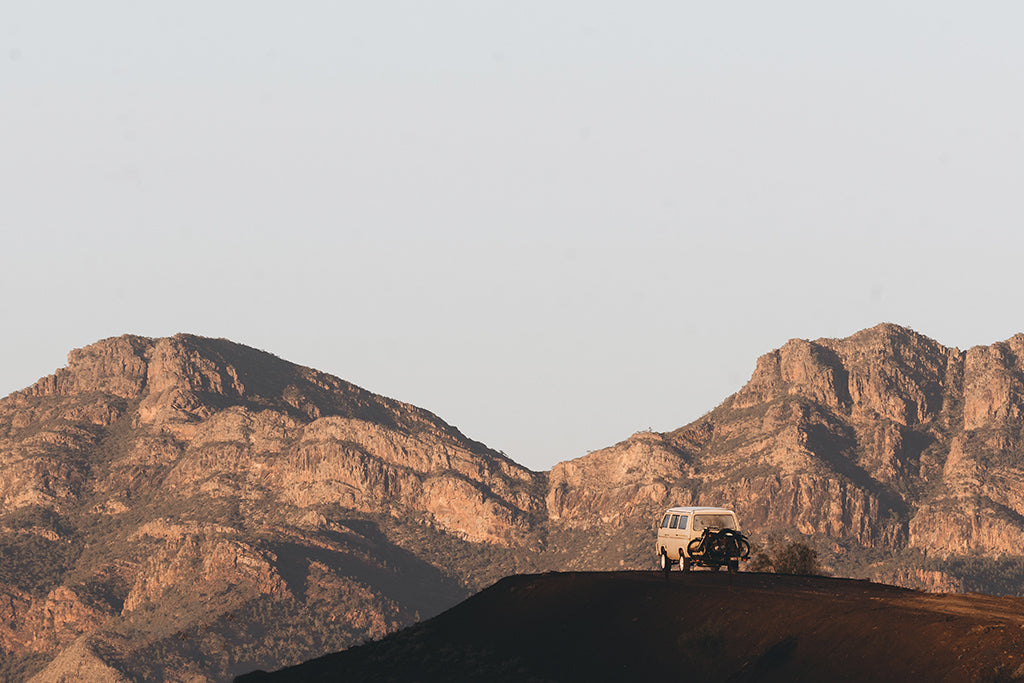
(882, 443)
(155, 486)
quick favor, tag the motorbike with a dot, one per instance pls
(716, 548)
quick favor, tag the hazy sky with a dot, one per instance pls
(551, 223)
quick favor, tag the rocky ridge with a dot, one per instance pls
(898, 455)
(163, 498)
(190, 508)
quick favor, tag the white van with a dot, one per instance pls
(680, 525)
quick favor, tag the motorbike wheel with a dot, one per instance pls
(693, 549)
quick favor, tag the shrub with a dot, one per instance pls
(796, 558)
(760, 562)
(786, 557)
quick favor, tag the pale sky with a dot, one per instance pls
(553, 224)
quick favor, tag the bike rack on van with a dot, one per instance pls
(716, 548)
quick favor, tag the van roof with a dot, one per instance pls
(691, 510)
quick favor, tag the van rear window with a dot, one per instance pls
(713, 521)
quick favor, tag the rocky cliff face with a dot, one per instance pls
(885, 444)
(190, 508)
(209, 416)
(157, 486)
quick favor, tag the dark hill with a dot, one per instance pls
(700, 626)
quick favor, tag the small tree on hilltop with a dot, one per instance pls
(786, 557)
(760, 562)
(796, 558)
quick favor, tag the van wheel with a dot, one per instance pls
(666, 563)
(687, 564)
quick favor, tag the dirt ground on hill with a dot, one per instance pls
(699, 625)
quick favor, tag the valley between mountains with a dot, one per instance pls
(191, 509)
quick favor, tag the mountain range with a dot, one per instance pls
(190, 508)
